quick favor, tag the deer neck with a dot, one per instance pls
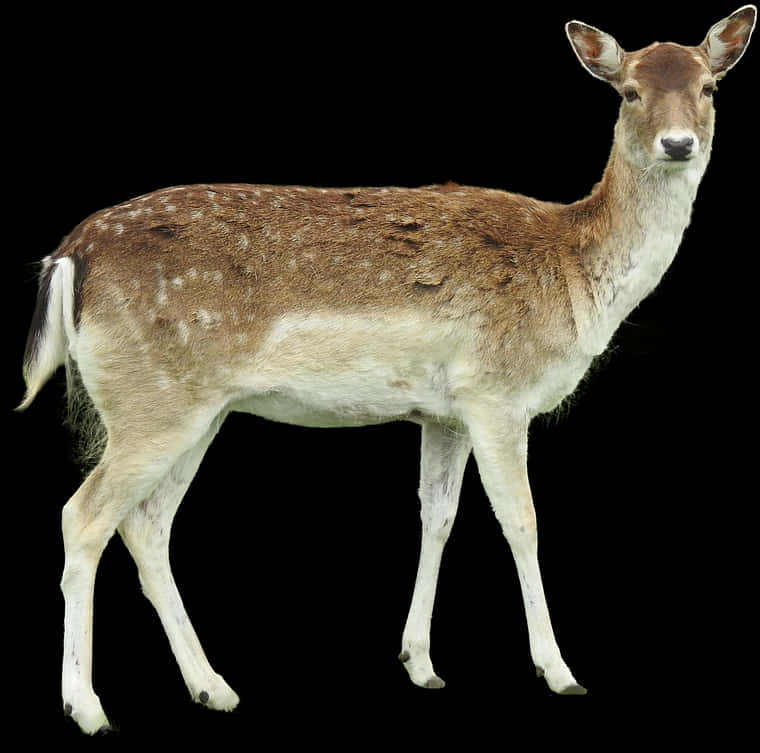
(631, 229)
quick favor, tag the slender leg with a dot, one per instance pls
(500, 445)
(145, 531)
(444, 456)
(89, 520)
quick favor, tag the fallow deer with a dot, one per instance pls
(466, 310)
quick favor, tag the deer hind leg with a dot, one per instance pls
(500, 448)
(444, 456)
(89, 519)
(128, 473)
(145, 531)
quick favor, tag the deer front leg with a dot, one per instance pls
(443, 459)
(500, 441)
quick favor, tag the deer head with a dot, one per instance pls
(667, 115)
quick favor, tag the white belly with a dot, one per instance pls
(336, 370)
(331, 370)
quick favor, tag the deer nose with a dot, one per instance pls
(678, 148)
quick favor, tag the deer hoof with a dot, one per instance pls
(434, 683)
(573, 689)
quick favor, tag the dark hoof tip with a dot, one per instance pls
(404, 657)
(105, 729)
(574, 690)
(203, 697)
(434, 683)
(67, 710)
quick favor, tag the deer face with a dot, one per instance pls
(666, 116)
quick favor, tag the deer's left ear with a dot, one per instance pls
(726, 41)
(599, 53)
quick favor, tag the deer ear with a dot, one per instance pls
(726, 41)
(599, 53)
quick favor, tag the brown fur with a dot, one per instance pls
(669, 67)
(243, 254)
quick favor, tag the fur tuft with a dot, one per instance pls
(83, 420)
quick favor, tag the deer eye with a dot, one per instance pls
(709, 89)
(630, 94)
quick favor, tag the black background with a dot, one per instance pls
(295, 550)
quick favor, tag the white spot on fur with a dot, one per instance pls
(208, 319)
(212, 276)
(183, 331)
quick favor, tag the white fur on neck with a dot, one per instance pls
(633, 258)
